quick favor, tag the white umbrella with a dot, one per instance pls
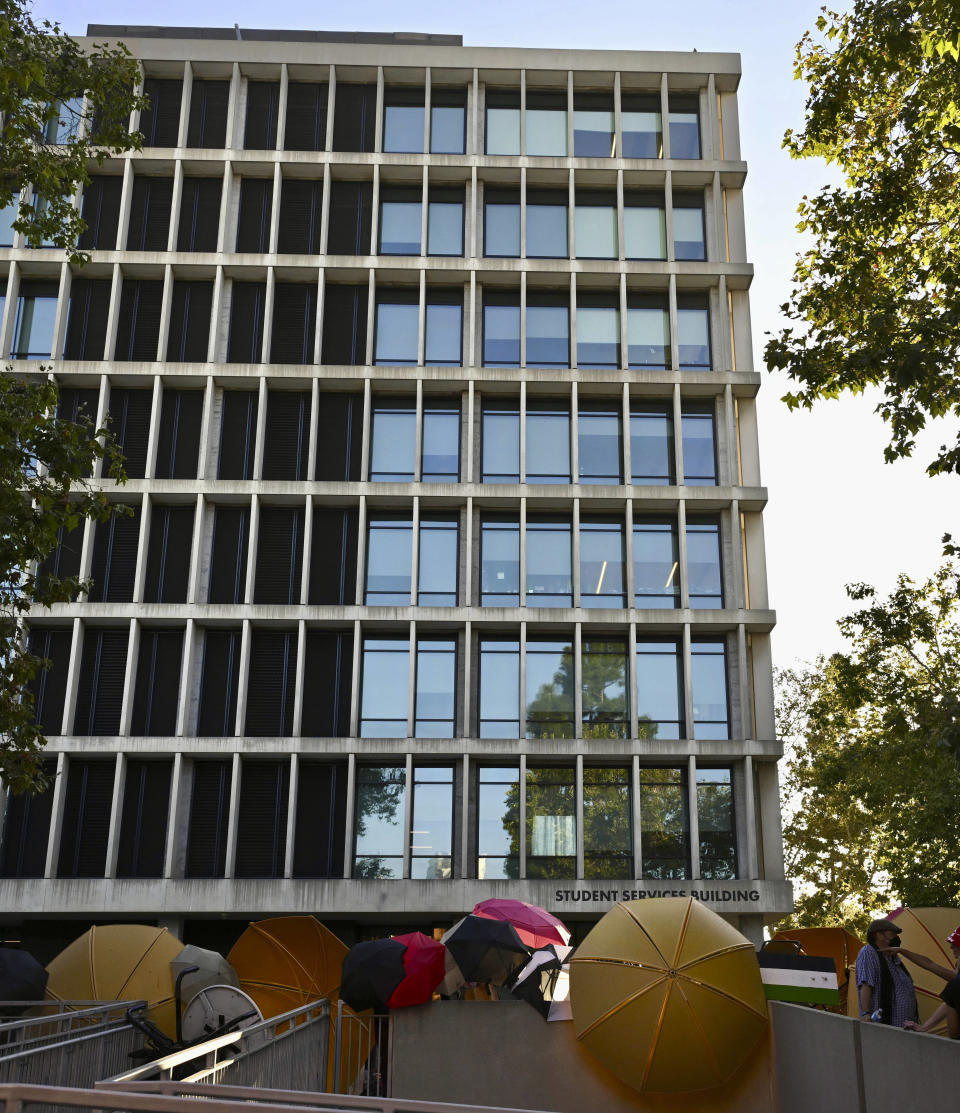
(214, 970)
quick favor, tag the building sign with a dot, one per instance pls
(611, 896)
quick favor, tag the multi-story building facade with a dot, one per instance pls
(443, 571)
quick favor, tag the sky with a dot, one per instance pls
(837, 514)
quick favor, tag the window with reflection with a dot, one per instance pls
(693, 332)
(656, 563)
(62, 122)
(448, 113)
(549, 566)
(501, 329)
(684, 121)
(715, 816)
(397, 327)
(598, 330)
(603, 688)
(644, 226)
(403, 120)
(500, 440)
(550, 685)
(389, 561)
(548, 443)
(708, 680)
(499, 562)
(393, 440)
(689, 236)
(502, 122)
(599, 443)
(704, 580)
(431, 833)
(435, 696)
(34, 320)
(441, 441)
(551, 821)
(601, 563)
(548, 330)
(547, 224)
(378, 825)
(445, 222)
(384, 687)
(499, 698)
(546, 123)
(10, 212)
(648, 331)
(595, 225)
(659, 690)
(651, 443)
(400, 212)
(501, 223)
(642, 125)
(593, 126)
(607, 822)
(699, 449)
(664, 826)
(443, 328)
(437, 573)
(498, 823)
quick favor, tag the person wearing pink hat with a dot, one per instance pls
(949, 1010)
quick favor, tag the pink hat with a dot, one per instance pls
(955, 938)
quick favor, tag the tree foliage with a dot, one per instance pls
(49, 133)
(872, 773)
(876, 301)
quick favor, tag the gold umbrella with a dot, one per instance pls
(925, 931)
(119, 962)
(667, 995)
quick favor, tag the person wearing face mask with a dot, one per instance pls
(949, 1010)
(884, 986)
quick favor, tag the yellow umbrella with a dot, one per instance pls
(925, 931)
(119, 962)
(667, 995)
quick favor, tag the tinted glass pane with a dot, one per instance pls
(551, 822)
(546, 231)
(499, 691)
(699, 454)
(500, 564)
(400, 228)
(389, 562)
(443, 343)
(598, 337)
(548, 446)
(403, 127)
(498, 814)
(596, 230)
(601, 564)
(501, 335)
(642, 134)
(502, 229)
(549, 571)
(550, 677)
(709, 682)
(703, 564)
(546, 131)
(659, 691)
(397, 327)
(503, 131)
(684, 128)
(644, 232)
(604, 689)
(436, 687)
(501, 446)
(607, 828)
(447, 129)
(33, 326)
(599, 446)
(431, 842)
(8, 215)
(379, 821)
(445, 228)
(718, 844)
(383, 706)
(664, 831)
(651, 445)
(655, 564)
(688, 233)
(437, 584)
(393, 453)
(693, 337)
(441, 444)
(593, 133)
(648, 336)
(548, 336)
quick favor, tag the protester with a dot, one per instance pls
(949, 1010)
(884, 986)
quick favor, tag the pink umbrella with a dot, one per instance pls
(424, 962)
(536, 926)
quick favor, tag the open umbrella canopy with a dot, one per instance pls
(536, 982)
(22, 978)
(535, 925)
(667, 995)
(371, 973)
(829, 942)
(213, 970)
(925, 931)
(424, 964)
(487, 950)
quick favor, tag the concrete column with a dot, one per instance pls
(407, 814)
(682, 554)
(523, 810)
(522, 709)
(466, 866)
(378, 140)
(130, 677)
(56, 816)
(467, 599)
(632, 675)
(473, 115)
(126, 197)
(625, 426)
(190, 656)
(687, 674)
(668, 218)
(223, 226)
(233, 820)
(679, 477)
(63, 307)
(331, 109)
(282, 107)
(177, 818)
(275, 209)
(674, 340)
(73, 675)
(153, 433)
(694, 821)
(750, 812)
(113, 312)
(140, 574)
(300, 677)
(665, 114)
(575, 551)
(635, 816)
(185, 100)
(293, 792)
(245, 637)
(267, 326)
(252, 549)
(578, 804)
(175, 203)
(350, 818)
(116, 808)
(355, 690)
(578, 681)
(262, 400)
(628, 555)
(415, 558)
(421, 320)
(412, 684)
(233, 124)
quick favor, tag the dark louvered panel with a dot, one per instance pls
(158, 682)
(253, 219)
(271, 683)
(138, 332)
(333, 560)
(150, 203)
(339, 428)
(294, 322)
(287, 435)
(100, 690)
(26, 829)
(168, 554)
(245, 342)
(178, 447)
(344, 325)
(299, 227)
(49, 686)
(351, 205)
(87, 321)
(354, 117)
(77, 403)
(262, 819)
(219, 682)
(101, 213)
(199, 214)
(160, 123)
(86, 819)
(115, 558)
(209, 817)
(328, 667)
(228, 558)
(306, 125)
(143, 826)
(207, 126)
(238, 431)
(130, 425)
(190, 309)
(64, 561)
(263, 100)
(321, 819)
(279, 555)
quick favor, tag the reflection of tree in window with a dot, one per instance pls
(551, 822)
(379, 821)
(664, 830)
(550, 689)
(718, 843)
(607, 830)
(604, 689)
(498, 823)
(431, 836)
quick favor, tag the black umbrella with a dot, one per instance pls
(487, 950)
(371, 972)
(538, 979)
(22, 978)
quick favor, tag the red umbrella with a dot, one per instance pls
(536, 926)
(424, 963)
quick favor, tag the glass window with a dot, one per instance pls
(688, 228)
(656, 563)
(398, 323)
(62, 126)
(708, 664)
(501, 331)
(642, 127)
(659, 690)
(699, 451)
(606, 713)
(595, 223)
(389, 562)
(718, 841)
(685, 126)
(550, 689)
(378, 828)
(33, 325)
(9, 214)
(651, 443)
(704, 581)
(499, 563)
(547, 225)
(403, 120)
(400, 224)
(502, 122)
(548, 444)
(435, 703)
(644, 226)
(501, 223)
(498, 823)
(598, 435)
(593, 128)
(607, 822)
(549, 573)
(499, 701)
(448, 112)
(500, 441)
(443, 343)
(445, 223)
(693, 332)
(598, 332)
(601, 564)
(394, 437)
(437, 577)
(648, 331)
(431, 835)
(664, 830)
(441, 442)
(548, 333)
(386, 681)
(551, 822)
(546, 123)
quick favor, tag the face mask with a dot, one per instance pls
(894, 942)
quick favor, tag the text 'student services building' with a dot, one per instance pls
(444, 573)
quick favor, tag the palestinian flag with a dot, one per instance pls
(803, 979)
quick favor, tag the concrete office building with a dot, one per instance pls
(444, 572)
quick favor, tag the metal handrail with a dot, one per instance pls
(33, 1033)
